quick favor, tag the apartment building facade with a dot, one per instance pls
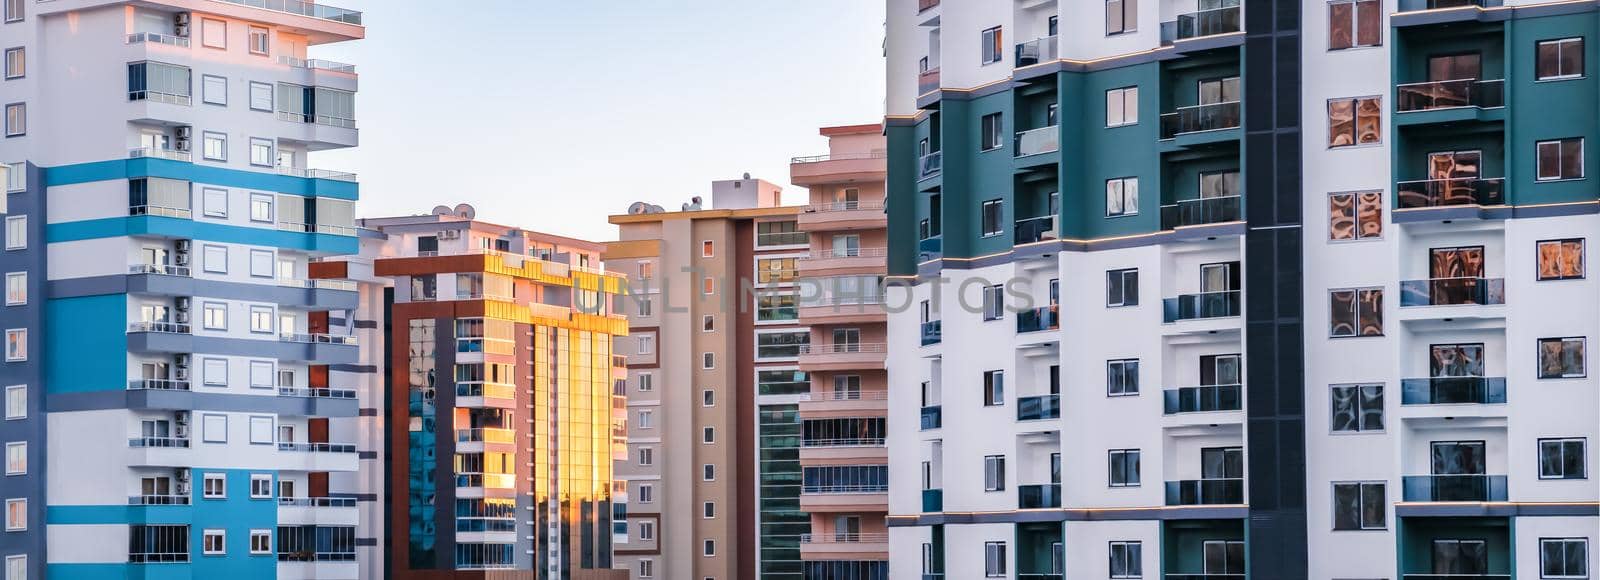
(500, 414)
(843, 460)
(714, 386)
(1206, 381)
(182, 396)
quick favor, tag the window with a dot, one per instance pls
(261, 319)
(214, 372)
(644, 305)
(260, 40)
(647, 531)
(709, 548)
(993, 127)
(1562, 458)
(14, 13)
(16, 232)
(1353, 23)
(1123, 468)
(708, 249)
(261, 375)
(1561, 259)
(214, 202)
(17, 402)
(708, 472)
(1122, 106)
(16, 514)
(260, 541)
(770, 345)
(16, 119)
(1355, 121)
(994, 559)
(708, 398)
(1127, 560)
(708, 510)
(1122, 16)
(1355, 312)
(1122, 287)
(994, 388)
(708, 285)
(647, 456)
(645, 344)
(994, 473)
(260, 207)
(645, 419)
(215, 259)
(1359, 506)
(993, 214)
(1122, 377)
(16, 345)
(261, 483)
(16, 288)
(991, 40)
(261, 97)
(214, 486)
(17, 566)
(17, 458)
(1563, 558)
(215, 146)
(16, 63)
(214, 316)
(214, 428)
(1561, 358)
(261, 433)
(262, 264)
(993, 302)
(1559, 59)
(646, 382)
(1122, 196)
(708, 360)
(213, 90)
(214, 542)
(1355, 216)
(708, 323)
(647, 493)
(1357, 408)
(1560, 159)
(647, 568)
(213, 33)
(261, 152)
(17, 177)
(708, 435)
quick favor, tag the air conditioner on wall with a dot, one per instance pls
(181, 317)
(181, 245)
(180, 374)
(183, 474)
(180, 24)
(181, 360)
(184, 131)
(182, 303)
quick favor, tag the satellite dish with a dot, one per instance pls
(747, 176)
(638, 207)
(441, 210)
(466, 211)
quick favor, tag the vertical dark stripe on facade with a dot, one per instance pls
(386, 370)
(1274, 322)
(35, 427)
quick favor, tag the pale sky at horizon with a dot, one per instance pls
(553, 115)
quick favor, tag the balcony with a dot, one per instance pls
(1039, 319)
(1038, 141)
(311, 9)
(317, 511)
(1218, 576)
(149, 96)
(1199, 119)
(931, 164)
(477, 480)
(837, 546)
(181, 213)
(1453, 391)
(318, 338)
(481, 394)
(158, 328)
(1205, 492)
(932, 332)
(1455, 577)
(1200, 24)
(317, 174)
(928, 81)
(1036, 51)
(316, 393)
(156, 38)
(1415, 5)
(1422, 193)
(1038, 407)
(160, 451)
(157, 385)
(930, 248)
(932, 500)
(841, 403)
(1465, 487)
(835, 168)
(160, 153)
(843, 258)
(486, 435)
(1200, 306)
(843, 216)
(932, 417)
(1452, 292)
(1202, 399)
(305, 228)
(770, 239)
(1039, 496)
(317, 447)
(843, 356)
(159, 500)
(317, 64)
(1430, 96)
(1037, 229)
(1201, 211)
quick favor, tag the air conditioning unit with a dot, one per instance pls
(183, 474)
(181, 245)
(183, 488)
(180, 373)
(181, 144)
(180, 431)
(184, 131)
(180, 24)
(180, 418)
(181, 360)
(182, 303)
(181, 317)
(450, 235)
(181, 259)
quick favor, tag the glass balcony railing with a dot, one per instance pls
(486, 435)
(1036, 51)
(931, 164)
(160, 153)
(1038, 141)
(486, 480)
(158, 38)
(1467, 576)
(1199, 24)
(1039, 496)
(1039, 319)
(932, 332)
(1200, 211)
(311, 9)
(1036, 229)
(1451, 191)
(1412, 5)
(159, 327)
(1211, 576)
(490, 390)
(1453, 391)
(1203, 399)
(1450, 94)
(1205, 492)
(932, 417)
(930, 248)
(316, 393)
(158, 500)
(1463, 487)
(1452, 291)
(157, 385)
(1203, 305)
(1198, 118)
(928, 81)
(159, 442)
(1039, 407)
(932, 500)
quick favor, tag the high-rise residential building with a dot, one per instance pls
(181, 395)
(714, 386)
(843, 460)
(500, 427)
(1290, 290)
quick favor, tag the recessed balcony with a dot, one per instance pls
(1039, 496)
(1037, 141)
(1423, 193)
(1223, 304)
(1202, 399)
(1200, 119)
(1229, 491)
(160, 153)
(1454, 487)
(1210, 22)
(313, 511)
(838, 403)
(932, 332)
(157, 385)
(481, 395)
(1465, 99)
(181, 213)
(839, 545)
(1452, 292)
(932, 417)
(1038, 407)
(1453, 391)
(840, 261)
(838, 168)
(931, 164)
(1041, 319)
(159, 500)
(1036, 229)
(932, 500)
(303, 8)
(928, 81)
(157, 38)
(1201, 211)
(842, 356)
(158, 328)
(1036, 51)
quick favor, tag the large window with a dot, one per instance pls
(1122, 377)
(993, 127)
(991, 41)
(1122, 287)
(1122, 106)
(1562, 357)
(1561, 259)
(1122, 196)
(993, 218)
(1354, 23)
(1563, 557)
(994, 388)
(161, 82)
(215, 146)
(158, 543)
(1563, 458)
(768, 270)
(994, 559)
(1355, 216)
(770, 306)
(781, 344)
(1559, 59)
(994, 473)
(1560, 159)
(845, 479)
(1357, 408)
(1359, 506)
(1355, 312)
(1355, 121)
(1121, 16)
(1127, 560)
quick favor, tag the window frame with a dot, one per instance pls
(1583, 343)
(998, 206)
(222, 542)
(272, 151)
(1122, 273)
(1123, 93)
(1123, 9)
(1355, 312)
(22, 117)
(1538, 160)
(1131, 559)
(1361, 496)
(23, 299)
(993, 303)
(256, 534)
(994, 388)
(265, 34)
(1112, 455)
(1124, 363)
(22, 65)
(1583, 458)
(1123, 193)
(1566, 543)
(991, 45)
(1355, 25)
(23, 408)
(1355, 121)
(1558, 42)
(205, 485)
(23, 445)
(994, 559)
(207, 137)
(21, 223)
(994, 473)
(1583, 265)
(272, 96)
(205, 90)
(22, 352)
(1355, 212)
(991, 127)
(15, 15)
(23, 525)
(1360, 411)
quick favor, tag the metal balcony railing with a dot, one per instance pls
(1201, 211)
(1451, 191)
(843, 442)
(845, 538)
(932, 417)
(843, 348)
(1205, 491)
(157, 38)
(157, 385)
(1452, 291)
(159, 442)
(1199, 24)
(317, 338)
(316, 63)
(182, 213)
(932, 332)
(846, 253)
(1203, 399)
(1427, 96)
(160, 97)
(1036, 229)
(1038, 407)
(838, 157)
(1038, 141)
(844, 488)
(1412, 5)
(1453, 391)
(1203, 305)
(1046, 495)
(159, 270)
(928, 81)
(160, 153)
(1462, 487)
(317, 173)
(845, 206)
(159, 500)
(1039, 319)
(845, 395)
(316, 393)
(931, 164)
(1036, 51)
(159, 327)
(317, 447)
(1199, 118)
(318, 502)
(311, 9)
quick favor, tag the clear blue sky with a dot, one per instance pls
(552, 115)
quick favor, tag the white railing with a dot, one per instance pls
(844, 538)
(160, 97)
(157, 38)
(874, 395)
(317, 338)
(318, 64)
(311, 9)
(336, 502)
(316, 393)
(317, 173)
(157, 385)
(163, 211)
(158, 500)
(294, 117)
(319, 284)
(160, 327)
(844, 442)
(843, 348)
(847, 253)
(844, 206)
(318, 447)
(159, 270)
(839, 157)
(306, 228)
(156, 153)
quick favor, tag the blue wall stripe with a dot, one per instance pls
(167, 168)
(94, 353)
(213, 232)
